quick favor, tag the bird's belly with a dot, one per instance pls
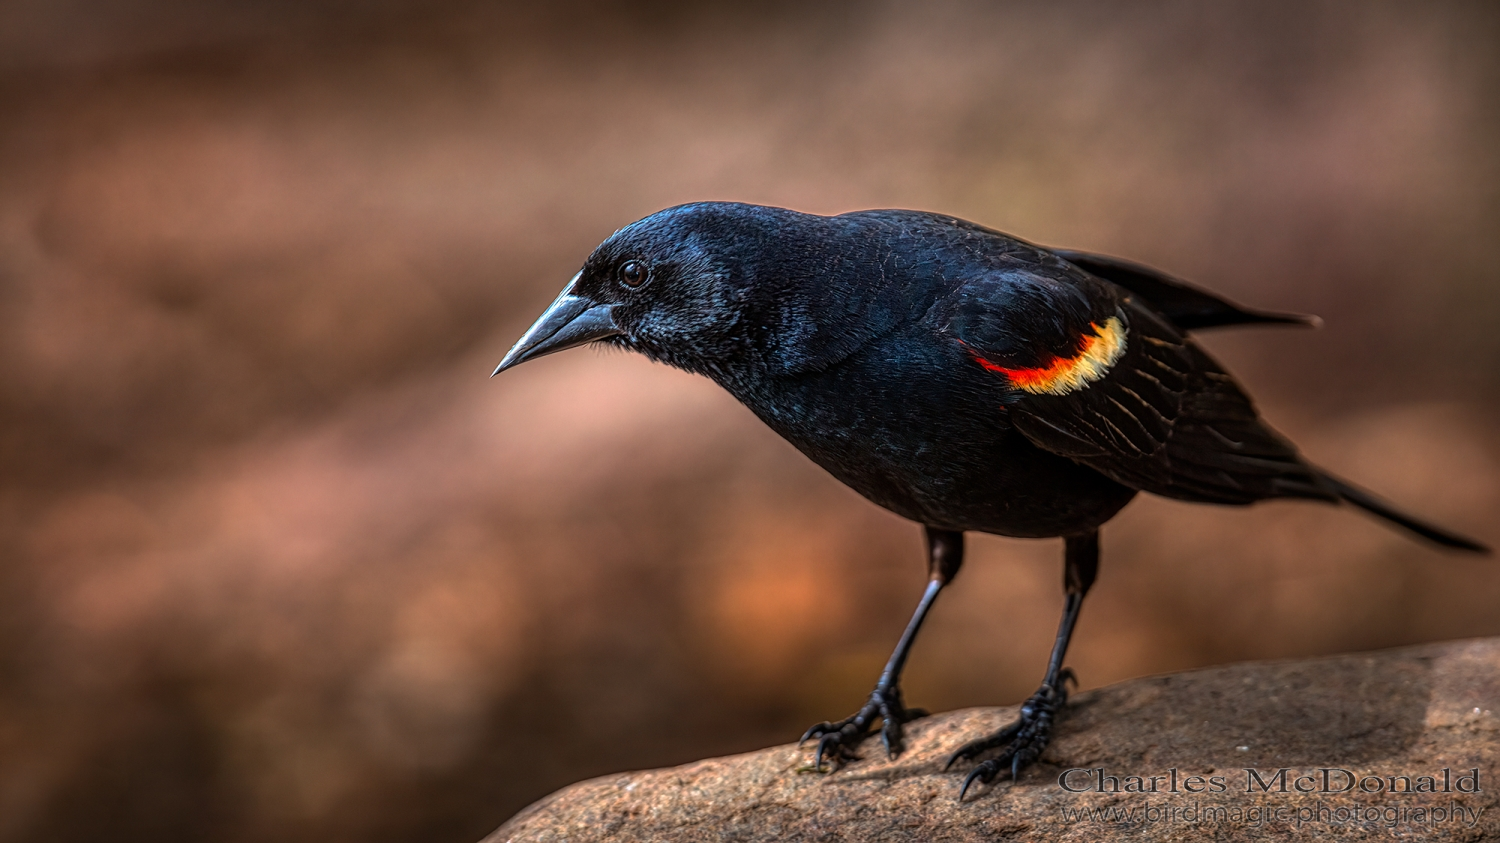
(952, 473)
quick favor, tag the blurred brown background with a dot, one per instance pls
(281, 563)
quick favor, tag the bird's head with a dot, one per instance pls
(677, 286)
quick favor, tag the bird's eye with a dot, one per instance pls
(633, 273)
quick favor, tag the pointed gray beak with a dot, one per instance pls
(571, 320)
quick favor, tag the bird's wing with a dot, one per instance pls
(1092, 373)
(1184, 305)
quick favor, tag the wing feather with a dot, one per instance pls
(1162, 417)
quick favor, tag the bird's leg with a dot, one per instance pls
(836, 741)
(1024, 740)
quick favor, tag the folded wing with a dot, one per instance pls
(1094, 373)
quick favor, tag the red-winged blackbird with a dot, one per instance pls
(954, 375)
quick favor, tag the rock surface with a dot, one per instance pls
(1410, 713)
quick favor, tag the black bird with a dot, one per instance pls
(956, 376)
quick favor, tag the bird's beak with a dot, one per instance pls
(569, 321)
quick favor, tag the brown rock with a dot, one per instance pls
(1404, 713)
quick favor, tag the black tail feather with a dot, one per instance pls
(1372, 504)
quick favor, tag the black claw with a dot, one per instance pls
(978, 773)
(971, 749)
(824, 744)
(1063, 678)
(836, 741)
(1023, 741)
(815, 731)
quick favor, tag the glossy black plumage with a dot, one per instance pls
(954, 375)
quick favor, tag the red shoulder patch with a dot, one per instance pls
(1099, 351)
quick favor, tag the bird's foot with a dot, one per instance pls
(1023, 741)
(836, 741)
